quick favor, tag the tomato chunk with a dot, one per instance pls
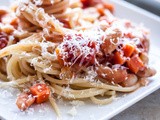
(41, 92)
(135, 64)
(118, 58)
(108, 6)
(24, 100)
(128, 50)
(100, 9)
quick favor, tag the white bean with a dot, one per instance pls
(147, 72)
(144, 57)
(111, 75)
(130, 81)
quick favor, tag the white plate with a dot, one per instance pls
(89, 111)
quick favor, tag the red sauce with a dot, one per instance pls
(87, 3)
(77, 51)
(3, 40)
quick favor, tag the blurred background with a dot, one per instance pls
(150, 5)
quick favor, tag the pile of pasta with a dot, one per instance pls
(74, 49)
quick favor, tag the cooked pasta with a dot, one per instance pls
(72, 49)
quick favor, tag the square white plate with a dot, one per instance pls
(89, 111)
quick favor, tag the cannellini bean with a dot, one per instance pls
(144, 57)
(130, 81)
(147, 72)
(115, 75)
(143, 81)
(110, 43)
(146, 44)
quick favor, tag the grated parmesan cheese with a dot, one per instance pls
(77, 103)
(45, 53)
(47, 69)
(80, 45)
(72, 111)
(91, 74)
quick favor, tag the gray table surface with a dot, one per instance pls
(146, 109)
(150, 5)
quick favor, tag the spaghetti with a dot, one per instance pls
(72, 49)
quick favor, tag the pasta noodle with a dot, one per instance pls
(72, 49)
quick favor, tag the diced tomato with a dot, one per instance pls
(2, 13)
(14, 22)
(24, 100)
(41, 92)
(10, 19)
(108, 6)
(119, 58)
(128, 50)
(135, 64)
(100, 9)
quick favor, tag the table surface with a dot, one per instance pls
(146, 109)
(150, 5)
(149, 107)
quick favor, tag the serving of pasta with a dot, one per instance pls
(70, 49)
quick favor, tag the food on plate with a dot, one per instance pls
(73, 49)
